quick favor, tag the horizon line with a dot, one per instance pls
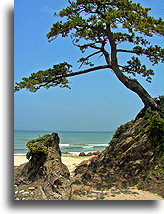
(60, 130)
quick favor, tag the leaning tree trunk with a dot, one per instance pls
(136, 87)
(132, 84)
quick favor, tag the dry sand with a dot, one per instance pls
(113, 194)
(70, 161)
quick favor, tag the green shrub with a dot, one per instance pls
(121, 129)
(155, 126)
(113, 141)
(115, 137)
(160, 102)
(38, 146)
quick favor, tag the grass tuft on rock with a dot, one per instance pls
(38, 147)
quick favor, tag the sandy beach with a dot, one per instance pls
(113, 194)
(70, 161)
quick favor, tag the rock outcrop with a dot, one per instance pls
(133, 157)
(44, 177)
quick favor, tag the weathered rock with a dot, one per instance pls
(96, 153)
(89, 154)
(44, 175)
(153, 181)
(133, 157)
(82, 154)
(31, 188)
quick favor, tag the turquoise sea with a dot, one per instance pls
(71, 143)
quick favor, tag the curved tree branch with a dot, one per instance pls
(85, 71)
(57, 76)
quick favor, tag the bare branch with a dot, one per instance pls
(126, 51)
(75, 74)
(85, 71)
(86, 58)
(101, 55)
(92, 45)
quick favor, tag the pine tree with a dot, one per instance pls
(103, 26)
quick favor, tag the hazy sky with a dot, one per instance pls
(96, 102)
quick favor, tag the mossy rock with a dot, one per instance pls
(38, 147)
(122, 129)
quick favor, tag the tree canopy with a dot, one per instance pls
(103, 26)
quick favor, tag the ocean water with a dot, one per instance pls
(71, 143)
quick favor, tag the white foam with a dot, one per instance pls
(87, 147)
(74, 153)
(66, 145)
(94, 145)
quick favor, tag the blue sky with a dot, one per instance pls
(96, 101)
